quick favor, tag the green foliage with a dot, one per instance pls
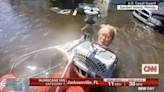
(87, 1)
(52, 3)
(66, 3)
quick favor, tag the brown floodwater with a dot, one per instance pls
(30, 25)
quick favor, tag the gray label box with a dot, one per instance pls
(147, 88)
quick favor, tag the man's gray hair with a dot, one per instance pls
(113, 31)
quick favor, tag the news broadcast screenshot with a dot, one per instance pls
(81, 45)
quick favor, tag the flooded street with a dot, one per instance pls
(28, 26)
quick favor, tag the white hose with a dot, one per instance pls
(42, 71)
(28, 54)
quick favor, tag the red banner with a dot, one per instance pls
(94, 82)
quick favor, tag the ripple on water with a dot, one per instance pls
(25, 37)
(45, 34)
(13, 58)
(6, 51)
(30, 48)
(38, 25)
(36, 21)
(22, 15)
(2, 43)
(7, 57)
(18, 33)
(12, 39)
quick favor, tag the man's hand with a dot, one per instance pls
(79, 73)
(65, 59)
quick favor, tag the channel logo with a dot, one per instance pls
(150, 68)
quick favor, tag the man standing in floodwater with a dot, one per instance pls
(106, 35)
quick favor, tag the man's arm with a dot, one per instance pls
(65, 59)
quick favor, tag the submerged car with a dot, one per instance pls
(152, 18)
